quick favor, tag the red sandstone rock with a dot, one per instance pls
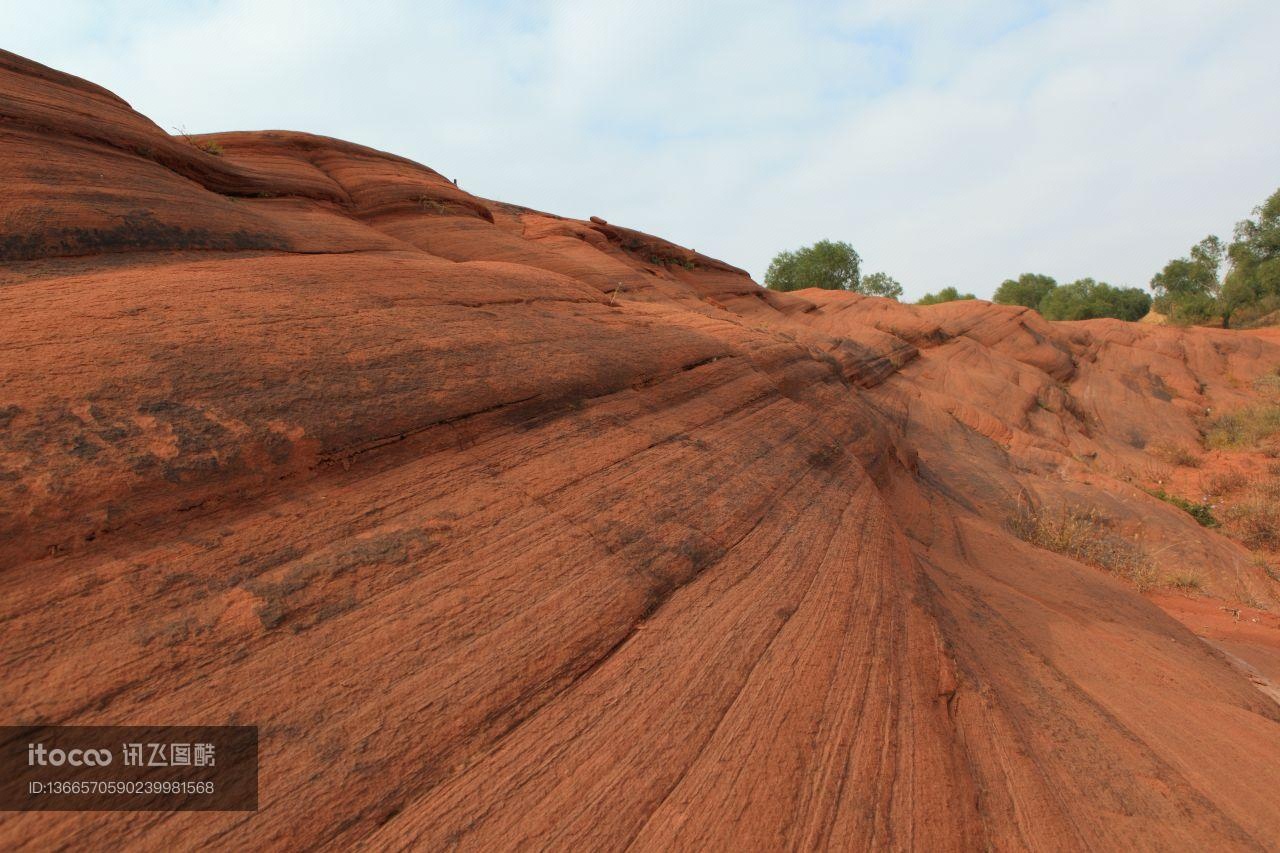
(511, 530)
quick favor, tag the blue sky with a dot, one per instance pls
(951, 143)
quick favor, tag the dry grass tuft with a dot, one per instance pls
(1268, 384)
(1087, 536)
(1267, 489)
(1244, 428)
(1185, 582)
(1153, 472)
(1260, 560)
(1216, 485)
(208, 146)
(1255, 518)
(1176, 454)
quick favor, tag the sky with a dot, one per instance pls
(952, 143)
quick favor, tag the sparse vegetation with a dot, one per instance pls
(1152, 471)
(1268, 384)
(1255, 517)
(208, 146)
(1084, 535)
(1243, 428)
(1223, 482)
(1176, 454)
(1185, 582)
(1201, 512)
(669, 261)
(1249, 509)
(1260, 560)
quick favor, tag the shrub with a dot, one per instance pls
(1265, 311)
(1084, 535)
(1245, 427)
(1201, 512)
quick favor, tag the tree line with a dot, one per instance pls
(1235, 284)
(1083, 299)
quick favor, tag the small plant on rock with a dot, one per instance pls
(1201, 512)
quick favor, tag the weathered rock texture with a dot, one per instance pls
(518, 531)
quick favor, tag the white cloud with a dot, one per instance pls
(952, 143)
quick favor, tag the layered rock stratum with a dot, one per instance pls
(516, 531)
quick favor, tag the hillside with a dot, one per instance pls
(515, 530)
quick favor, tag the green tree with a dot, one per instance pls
(881, 284)
(1027, 289)
(1087, 299)
(1209, 253)
(947, 294)
(1238, 291)
(1193, 289)
(826, 264)
(1187, 289)
(1254, 254)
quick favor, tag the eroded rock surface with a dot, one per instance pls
(518, 531)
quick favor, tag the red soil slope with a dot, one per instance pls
(511, 530)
